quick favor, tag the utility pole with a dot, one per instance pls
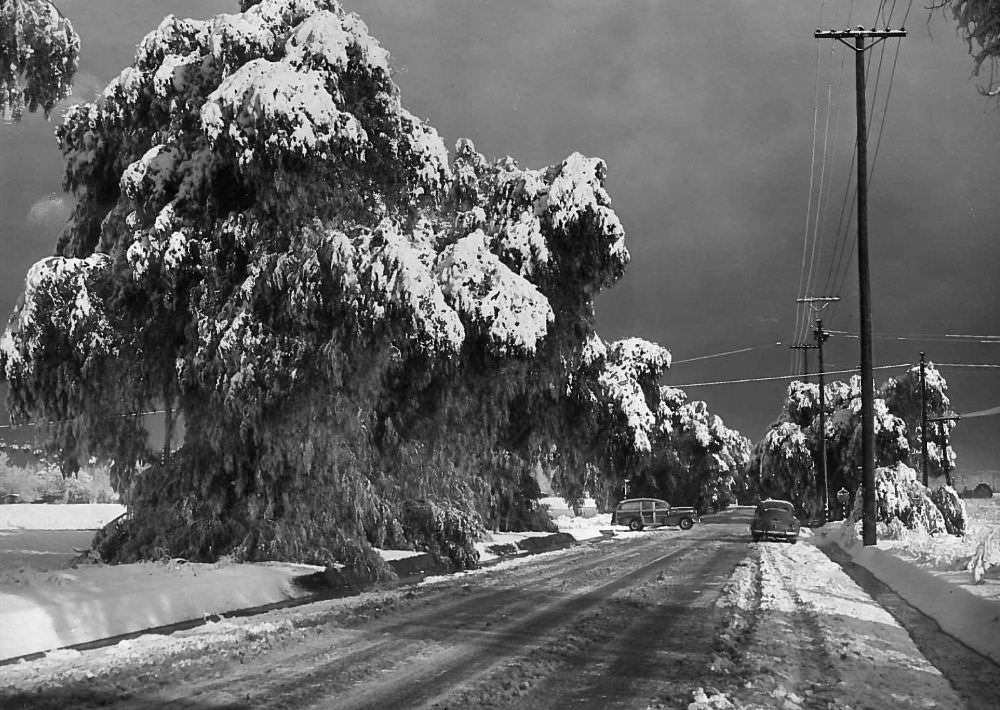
(817, 304)
(923, 415)
(864, 285)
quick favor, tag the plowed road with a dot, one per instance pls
(630, 622)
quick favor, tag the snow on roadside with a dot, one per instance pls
(971, 618)
(47, 609)
(70, 516)
(934, 572)
(219, 634)
(802, 633)
(41, 610)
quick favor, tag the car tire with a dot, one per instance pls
(793, 540)
(635, 525)
(686, 523)
(755, 537)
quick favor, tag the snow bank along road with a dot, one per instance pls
(662, 619)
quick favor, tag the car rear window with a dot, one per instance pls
(776, 505)
(630, 505)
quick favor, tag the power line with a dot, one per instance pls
(852, 371)
(812, 177)
(988, 366)
(926, 337)
(982, 413)
(839, 271)
(727, 352)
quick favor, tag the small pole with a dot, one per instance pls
(805, 348)
(923, 416)
(943, 436)
(821, 335)
(817, 304)
(944, 454)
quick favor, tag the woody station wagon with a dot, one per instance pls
(638, 513)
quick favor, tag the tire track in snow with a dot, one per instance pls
(819, 642)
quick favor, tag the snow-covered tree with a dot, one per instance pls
(787, 461)
(902, 396)
(348, 319)
(609, 427)
(38, 57)
(783, 466)
(979, 25)
(694, 458)
(901, 501)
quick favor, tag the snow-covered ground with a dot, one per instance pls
(42, 609)
(935, 573)
(84, 516)
(800, 633)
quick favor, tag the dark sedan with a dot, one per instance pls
(774, 520)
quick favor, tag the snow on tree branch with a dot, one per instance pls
(632, 365)
(979, 24)
(39, 52)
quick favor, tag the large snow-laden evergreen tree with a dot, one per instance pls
(354, 325)
(693, 457)
(39, 53)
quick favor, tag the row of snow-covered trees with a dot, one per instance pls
(787, 461)
(371, 341)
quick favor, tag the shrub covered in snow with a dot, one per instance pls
(952, 509)
(901, 504)
(900, 496)
(450, 531)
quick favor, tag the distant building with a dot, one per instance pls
(970, 479)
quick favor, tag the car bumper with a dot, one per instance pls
(776, 534)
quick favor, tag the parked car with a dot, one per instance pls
(637, 513)
(774, 519)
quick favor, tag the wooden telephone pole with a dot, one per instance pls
(864, 285)
(817, 304)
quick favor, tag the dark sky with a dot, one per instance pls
(704, 113)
